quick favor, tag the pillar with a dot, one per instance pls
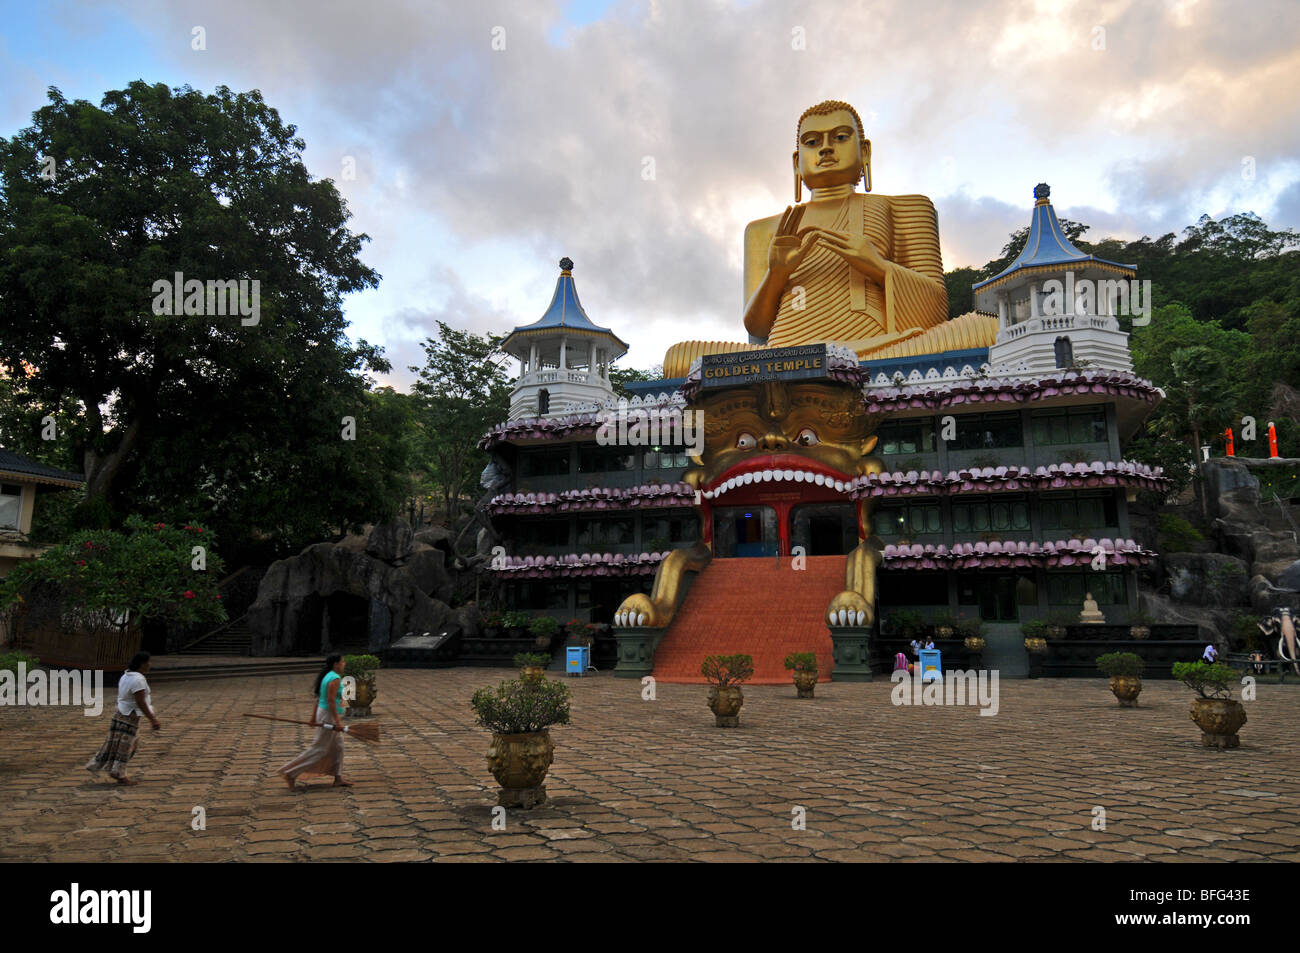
(1002, 312)
(1033, 299)
(563, 359)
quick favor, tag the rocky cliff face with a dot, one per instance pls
(1251, 564)
(405, 579)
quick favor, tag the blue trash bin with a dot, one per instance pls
(931, 666)
(575, 659)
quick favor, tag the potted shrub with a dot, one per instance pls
(362, 670)
(1056, 622)
(493, 624)
(804, 667)
(972, 634)
(516, 623)
(1035, 633)
(1140, 625)
(532, 666)
(518, 715)
(724, 674)
(543, 629)
(1124, 669)
(906, 624)
(945, 624)
(1216, 713)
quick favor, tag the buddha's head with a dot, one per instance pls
(833, 148)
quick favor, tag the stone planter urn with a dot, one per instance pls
(1219, 720)
(1035, 645)
(804, 681)
(943, 631)
(1140, 632)
(725, 703)
(519, 763)
(1056, 631)
(367, 692)
(532, 674)
(974, 643)
(1126, 688)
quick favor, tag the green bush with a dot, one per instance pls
(517, 708)
(906, 623)
(360, 666)
(144, 572)
(1034, 629)
(724, 670)
(1245, 630)
(1120, 663)
(1176, 534)
(801, 661)
(543, 626)
(969, 628)
(1209, 680)
(532, 659)
(516, 620)
(9, 661)
(492, 619)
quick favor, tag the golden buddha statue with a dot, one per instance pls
(847, 267)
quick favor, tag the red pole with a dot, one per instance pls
(1272, 439)
(1228, 432)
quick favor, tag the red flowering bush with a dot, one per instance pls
(106, 578)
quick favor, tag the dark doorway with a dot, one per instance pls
(349, 623)
(308, 638)
(745, 531)
(994, 593)
(1064, 352)
(824, 529)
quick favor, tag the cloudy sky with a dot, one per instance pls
(639, 136)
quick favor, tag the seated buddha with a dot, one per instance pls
(847, 267)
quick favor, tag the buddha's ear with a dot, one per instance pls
(866, 164)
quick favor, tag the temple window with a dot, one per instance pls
(1073, 426)
(1064, 352)
(906, 436)
(988, 431)
(11, 505)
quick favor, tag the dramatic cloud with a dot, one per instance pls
(490, 139)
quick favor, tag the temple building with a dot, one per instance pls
(795, 496)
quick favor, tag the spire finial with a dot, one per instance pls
(1041, 191)
(566, 265)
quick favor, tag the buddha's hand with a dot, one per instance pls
(858, 250)
(789, 246)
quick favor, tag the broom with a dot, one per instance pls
(363, 731)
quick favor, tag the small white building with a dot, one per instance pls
(1056, 306)
(563, 358)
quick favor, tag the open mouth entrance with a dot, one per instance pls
(745, 531)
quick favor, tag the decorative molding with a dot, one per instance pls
(1057, 476)
(645, 496)
(1014, 553)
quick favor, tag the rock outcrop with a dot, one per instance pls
(1261, 534)
(405, 581)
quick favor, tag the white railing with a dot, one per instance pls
(1060, 322)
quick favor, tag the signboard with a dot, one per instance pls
(931, 666)
(770, 364)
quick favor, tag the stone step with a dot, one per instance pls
(252, 668)
(757, 606)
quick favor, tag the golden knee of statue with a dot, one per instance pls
(847, 267)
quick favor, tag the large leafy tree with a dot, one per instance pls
(196, 411)
(462, 391)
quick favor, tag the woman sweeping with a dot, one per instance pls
(132, 702)
(325, 756)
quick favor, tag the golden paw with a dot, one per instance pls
(849, 608)
(637, 612)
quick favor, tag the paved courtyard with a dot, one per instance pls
(655, 780)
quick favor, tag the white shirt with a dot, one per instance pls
(127, 686)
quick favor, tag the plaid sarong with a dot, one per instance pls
(120, 746)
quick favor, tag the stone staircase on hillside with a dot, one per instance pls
(759, 606)
(234, 638)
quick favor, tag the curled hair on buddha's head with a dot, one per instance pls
(826, 108)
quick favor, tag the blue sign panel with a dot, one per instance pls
(931, 666)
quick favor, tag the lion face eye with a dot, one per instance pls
(746, 441)
(807, 438)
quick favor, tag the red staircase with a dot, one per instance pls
(757, 606)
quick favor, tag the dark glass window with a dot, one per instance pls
(1070, 588)
(1081, 511)
(600, 459)
(1073, 426)
(535, 463)
(988, 431)
(907, 519)
(906, 436)
(998, 515)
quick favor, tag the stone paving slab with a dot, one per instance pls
(637, 780)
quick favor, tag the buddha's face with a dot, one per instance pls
(830, 149)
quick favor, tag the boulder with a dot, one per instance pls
(390, 541)
(470, 620)
(396, 604)
(1213, 625)
(1208, 579)
(426, 568)
(1289, 578)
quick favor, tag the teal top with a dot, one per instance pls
(324, 692)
